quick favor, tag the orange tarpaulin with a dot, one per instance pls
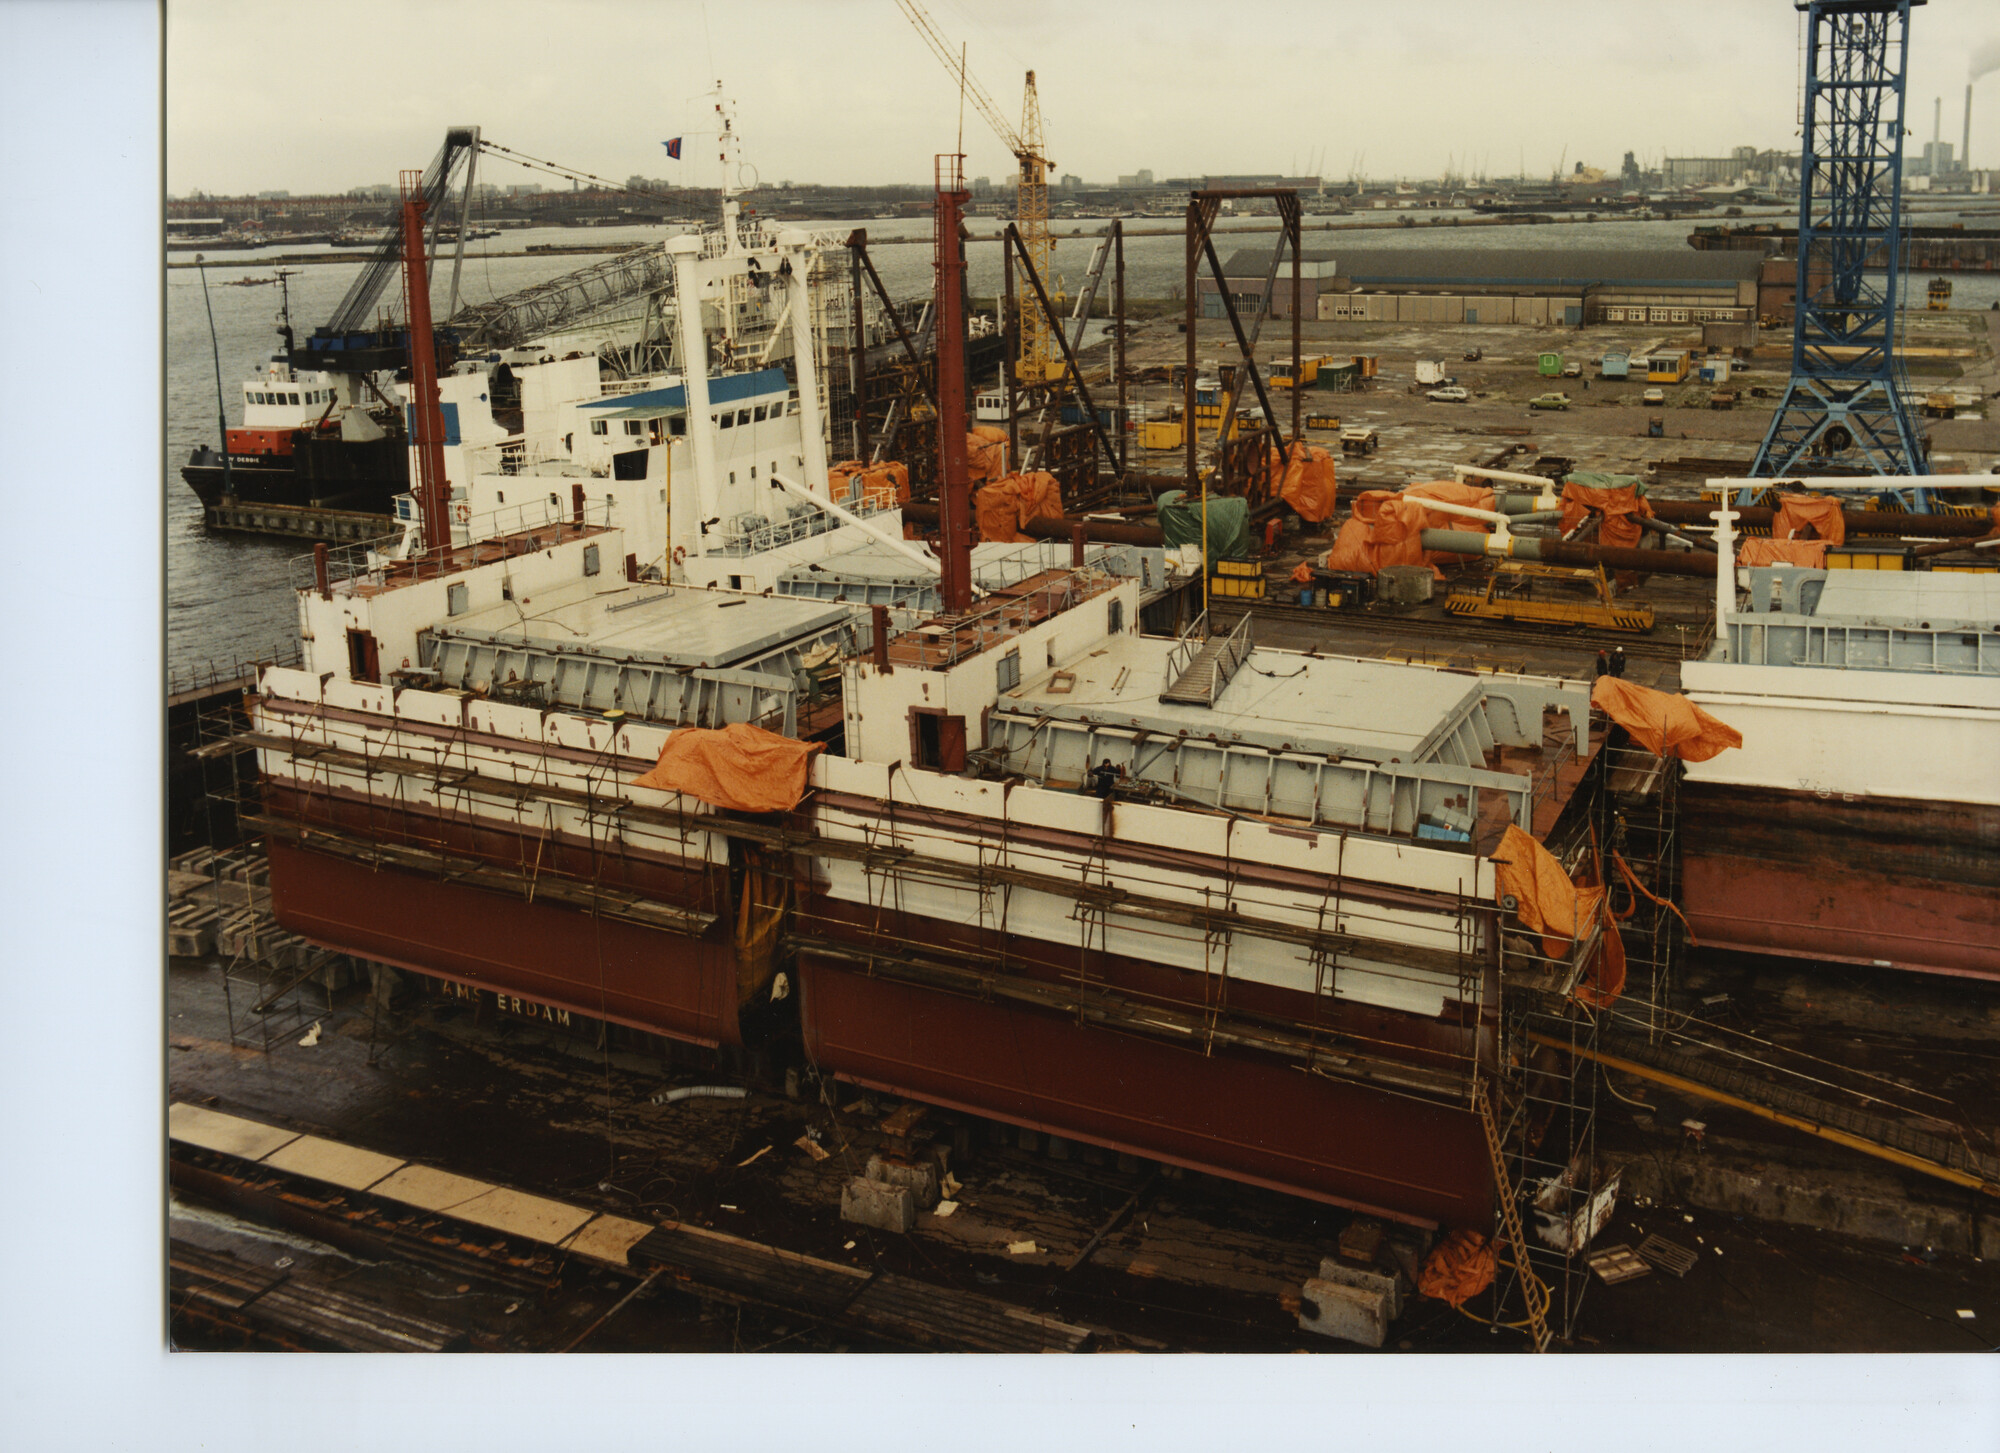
(1807, 554)
(1663, 723)
(1548, 903)
(875, 485)
(1458, 1269)
(1622, 508)
(985, 454)
(740, 767)
(1302, 574)
(1819, 513)
(1306, 483)
(1387, 527)
(1007, 504)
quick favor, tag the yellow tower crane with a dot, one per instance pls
(1040, 358)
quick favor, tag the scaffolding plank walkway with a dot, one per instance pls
(883, 1304)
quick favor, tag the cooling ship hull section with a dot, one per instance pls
(1892, 882)
(565, 957)
(1260, 1121)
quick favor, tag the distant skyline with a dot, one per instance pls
(307, 99)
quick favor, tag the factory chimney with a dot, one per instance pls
(1965, 143)
(1937, 123)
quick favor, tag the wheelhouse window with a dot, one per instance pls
(600, 426)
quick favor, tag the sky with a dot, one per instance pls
(308, 98)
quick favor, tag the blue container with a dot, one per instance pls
(1305, 595)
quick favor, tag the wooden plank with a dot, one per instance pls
(228, 1134)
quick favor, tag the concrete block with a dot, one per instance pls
(884, 1207)
(1332, 1309)
(1027, 1139)
(1390, 1286)
(918, 1177)
(1405, 584)
(1058, 1148)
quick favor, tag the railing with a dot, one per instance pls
(1188, 646)
(941, 642)
(775, 533)
(370, 563)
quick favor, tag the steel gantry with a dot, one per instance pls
(1844, 404)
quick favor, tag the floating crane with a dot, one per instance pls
(1040, 359)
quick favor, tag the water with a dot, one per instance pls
(229, 599)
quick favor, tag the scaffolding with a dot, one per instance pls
(219, 897)
(1555, 1192)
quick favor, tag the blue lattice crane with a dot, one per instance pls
(1844, 408)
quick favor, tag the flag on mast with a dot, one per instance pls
(673, 149)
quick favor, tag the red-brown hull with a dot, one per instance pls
(1907, 885)
(1248, 1119)
(601, 967)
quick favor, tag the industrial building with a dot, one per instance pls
(1504, 285)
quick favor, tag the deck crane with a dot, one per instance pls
(1040, 358)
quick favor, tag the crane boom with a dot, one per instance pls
(974, 92)
(1039, 358)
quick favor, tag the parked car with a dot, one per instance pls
(1448, 395)
(1572, 370)
(1549, 401)
(1473, 355)
(1653, 396)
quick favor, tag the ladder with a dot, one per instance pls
(1533, 1292)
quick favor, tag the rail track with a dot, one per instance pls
(1581, 639)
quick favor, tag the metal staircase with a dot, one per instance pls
(1200, 666)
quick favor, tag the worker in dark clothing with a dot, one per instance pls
(1102, 778)
(1603, 666)
(1618, 662)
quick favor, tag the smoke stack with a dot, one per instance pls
(1965, 145)
(1937, 121)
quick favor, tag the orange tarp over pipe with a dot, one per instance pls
(1663, 723)
(1622, 509)
(741, 767)
(985, 454)
(1387, 527)
(1820, 511)
(1306, 483)
(1807, 554)
(1007, 504)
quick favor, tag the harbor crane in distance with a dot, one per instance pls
(1040, 359)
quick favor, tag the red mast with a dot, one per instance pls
(427, 418)
(954, 496)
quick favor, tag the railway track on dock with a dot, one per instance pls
(1582, 640)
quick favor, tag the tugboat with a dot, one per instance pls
(309, 440)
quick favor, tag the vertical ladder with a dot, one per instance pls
(1533, 1292)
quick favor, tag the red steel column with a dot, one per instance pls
(954, 497)
(428, 417)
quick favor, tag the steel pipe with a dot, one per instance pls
(1557, 552)
(1104, 532)
(1856, 522)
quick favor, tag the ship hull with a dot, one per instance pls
(1891, 882)
(1262, 1122)
(363, 476)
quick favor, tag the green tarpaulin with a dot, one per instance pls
(1228, 524)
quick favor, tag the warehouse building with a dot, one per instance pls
(1717, 290)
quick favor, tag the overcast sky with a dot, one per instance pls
(322, 97)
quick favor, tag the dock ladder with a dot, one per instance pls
(1533, 1292)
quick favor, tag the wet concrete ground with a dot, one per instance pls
(1200, 1264)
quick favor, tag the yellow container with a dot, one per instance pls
(1161, 434)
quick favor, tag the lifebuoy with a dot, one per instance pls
(462, 512)
(680, 554)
